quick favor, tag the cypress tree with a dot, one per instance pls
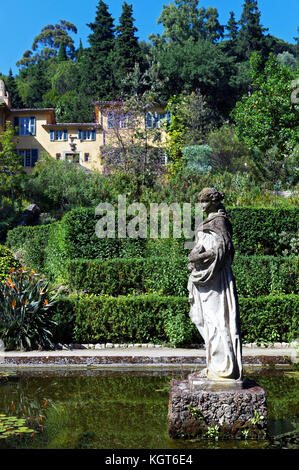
(12, 88)
(232, 27)
(96, 68)
(126, 50)
(62, 53)
(251, 35)
(79, 52)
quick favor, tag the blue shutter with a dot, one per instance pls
(65, 134)
(32, 125)
(93, 134)
(34, 156)
(52, 136)
(149, 120)
(110, 120)
(80, 134)
(16, 123)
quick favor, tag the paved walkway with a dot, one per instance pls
(134, 356)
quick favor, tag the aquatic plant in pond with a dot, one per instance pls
(13, 426)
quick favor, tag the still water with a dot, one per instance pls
(122, 409)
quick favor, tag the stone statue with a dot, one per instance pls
(212, 294)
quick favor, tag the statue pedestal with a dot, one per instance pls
(199, 407)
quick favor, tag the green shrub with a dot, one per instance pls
(198, 158)
(33, 241)
(255, 275)
(257, 231)
(270, 318)
(25, 321)
(154, 318)
(138, 319)
(64, 317)
(7, 262)
(47, 247)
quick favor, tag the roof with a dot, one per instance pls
(26, 110)
(72, 124)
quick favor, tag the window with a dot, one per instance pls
(153, 120)
(86, 157)
(25, 126)
(58, 135)
(30, 157)
(110, 118)
(119, 121)
(87, 134)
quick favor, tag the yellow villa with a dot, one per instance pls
(37, 132)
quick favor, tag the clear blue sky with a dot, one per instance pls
(22, 20)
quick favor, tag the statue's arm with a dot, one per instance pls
(195, 256)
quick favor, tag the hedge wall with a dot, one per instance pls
(154, 318)
(256, 231)
(255, 275)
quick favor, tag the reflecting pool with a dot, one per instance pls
(125, 409)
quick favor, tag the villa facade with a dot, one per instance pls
(37, 132)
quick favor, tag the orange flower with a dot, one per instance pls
(10, 283)
(46, 302)
(13, 304)
(26, 302)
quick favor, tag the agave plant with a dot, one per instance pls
(25, 311)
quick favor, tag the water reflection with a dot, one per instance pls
(122, 409)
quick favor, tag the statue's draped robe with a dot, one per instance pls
(214, 304)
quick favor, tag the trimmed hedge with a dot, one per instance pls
(256, 231)
(33, 242)
(255, 275)
(156, 319)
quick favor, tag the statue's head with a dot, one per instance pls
(210, 199)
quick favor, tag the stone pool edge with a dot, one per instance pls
(155, 357)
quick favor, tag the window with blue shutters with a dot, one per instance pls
(26, 125)
(149, 120)
(87, 134)
(110, 118)
(58, 135)
(29, 157)
(61, 135)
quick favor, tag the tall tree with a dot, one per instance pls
(232, 27)
(47, 43)
(212, 29)
(95, 65)
(267, 117)
(183, 21)
(126, 48)
(251, 35)
(12, 88)
(62, 53)
(10, 162)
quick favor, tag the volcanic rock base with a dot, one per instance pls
(199, 407)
